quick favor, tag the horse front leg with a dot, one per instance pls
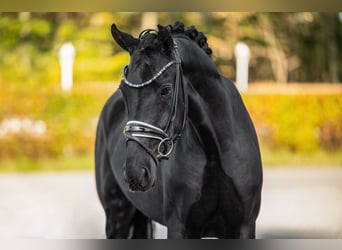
(175, 228)
(247, 231)
(119, 214)
(175, 232)
(142, 227)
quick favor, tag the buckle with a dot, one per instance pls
(167, 144)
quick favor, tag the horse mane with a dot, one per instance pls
(147, 36)
(148, 41)
(191, 32)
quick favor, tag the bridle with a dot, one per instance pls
(134, 130)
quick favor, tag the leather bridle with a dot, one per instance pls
(134, 130)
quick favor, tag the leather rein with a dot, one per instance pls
(134, 130)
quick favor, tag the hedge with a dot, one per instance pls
(70, 119)
(301, 122)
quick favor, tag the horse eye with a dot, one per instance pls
(166, 91)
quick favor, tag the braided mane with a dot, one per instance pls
(198, 37)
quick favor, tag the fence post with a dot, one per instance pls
(66, 60)
(242, 54)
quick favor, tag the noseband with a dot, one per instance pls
(134, 130)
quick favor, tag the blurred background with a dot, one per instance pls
(47, 132)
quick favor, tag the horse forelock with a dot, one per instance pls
(149, 44)
(148, 37)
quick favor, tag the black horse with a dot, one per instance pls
(175, 143)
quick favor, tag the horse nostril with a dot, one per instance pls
(145, 173)
(145, 177)
(125, 175)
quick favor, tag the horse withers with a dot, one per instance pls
(175, 143)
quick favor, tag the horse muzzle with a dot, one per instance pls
(140, 178)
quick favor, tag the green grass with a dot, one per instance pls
(273, 158)
(74, 163)
(270, 158)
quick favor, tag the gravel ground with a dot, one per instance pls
(296, 203)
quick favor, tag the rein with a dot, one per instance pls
(138, 129)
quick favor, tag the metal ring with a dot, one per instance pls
(163, 142)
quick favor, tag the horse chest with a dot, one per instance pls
(174, 192)
(217, 203)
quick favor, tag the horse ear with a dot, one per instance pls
(164, 36)
(124, 40)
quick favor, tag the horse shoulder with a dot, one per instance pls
(113, 111)
(238, 143)
(108, 128)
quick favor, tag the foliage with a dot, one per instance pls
(299, 122)
(284, 47)
(70, 119)
(29, 44)
(300, 47)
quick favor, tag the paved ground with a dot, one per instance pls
(301, 203)
(297, 203)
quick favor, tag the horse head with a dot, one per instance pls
(154, 94)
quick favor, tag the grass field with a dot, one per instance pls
(270, 158)
(76, 163)
(274, 158)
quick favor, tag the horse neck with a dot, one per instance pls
(210, 96)
(199, 70)
(217, 111)
(203, 91)
(194, 59)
